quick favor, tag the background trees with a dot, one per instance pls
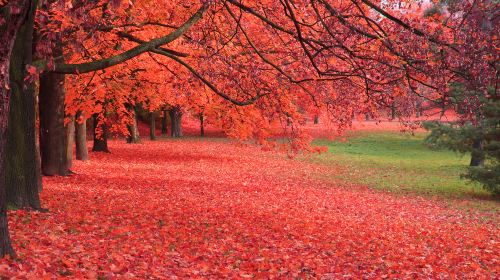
(249, 67)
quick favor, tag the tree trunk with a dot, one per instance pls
(152, 126)
(176, 121)
(100, 137)
(316, 119)
(477, 158)
(8, 31)
(202, 125)
(70, 130)
(38, 161)
(393, 111)
(81, 137)
(418, 109)
(21, 177)
(53, 135)
(133, 130)
(164, 123)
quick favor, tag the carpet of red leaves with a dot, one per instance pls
(217, 209)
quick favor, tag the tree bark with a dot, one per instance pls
(316, 119)
(176, 121)
(53, 135)
(8, 31)
(133, 130)
(152, 126)
(70, 135)
(21, 170)
(477, 157)
(164, 123)
(418, 109)
(81, 137)
(100, 137)
(202, 125)
(393, 111)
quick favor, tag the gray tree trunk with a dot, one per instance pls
(81, 137)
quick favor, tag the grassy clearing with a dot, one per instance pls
(402, 163)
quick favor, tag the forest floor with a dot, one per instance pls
(214, 209)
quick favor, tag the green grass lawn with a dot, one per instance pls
(403, 163)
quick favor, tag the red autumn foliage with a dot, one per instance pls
(218, 209)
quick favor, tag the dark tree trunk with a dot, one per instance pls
(393, 111)
(8, 31)
(202, 125)
(53, 135)
(133, 130)
(175, 121)
(152, 126)
(70, 130)
(477, 158)
(316, 119)
(164, 123)
(21, 174)
(100, 135)
(81, 137)
(367, 116)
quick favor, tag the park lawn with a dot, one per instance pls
(402, 163)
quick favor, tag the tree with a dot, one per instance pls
(21, 178)
(164, 123)
(479, 138)
(202, 124)
(176, 121)
(13, 16)
(100, 134)
(133, 130)
(488, 174)
(81, 137)
(53, 135)
(473, 91)
(265, 67)
(152, 126)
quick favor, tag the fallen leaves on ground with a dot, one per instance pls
(216, 209)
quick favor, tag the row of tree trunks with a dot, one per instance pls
(175, 123)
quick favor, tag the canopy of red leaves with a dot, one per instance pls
(219, 209)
